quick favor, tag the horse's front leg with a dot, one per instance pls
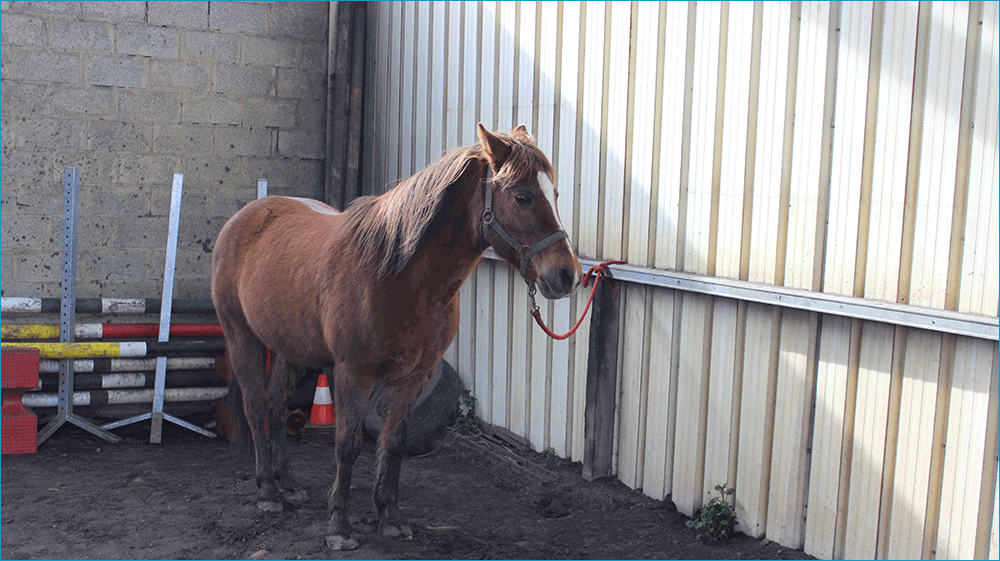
(350, 403)
(397, 402)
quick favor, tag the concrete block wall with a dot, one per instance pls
(132, 92)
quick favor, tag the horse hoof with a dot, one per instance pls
(340, 543)
(297, 497)
(397, 530)
(270, 506)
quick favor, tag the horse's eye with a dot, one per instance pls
(522, 201)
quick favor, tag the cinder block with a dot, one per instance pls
(211, 108)
(279, 172)
(226, 202)
(96, 168)
(114, 11)
(215, 171)
(59, 8)
(301, 144)
(130, 72)
(254, 80)
(149, 106)
(269, 112)
(218, 47)
(105, 200)
(22, 30)
(32, 289)
(8, 264)
(302, 84)
(199, 232)
(71, 101)
(314, 55)
(50, 134)
(8, 124)
(192, 264)
(147, 168)
(28, 232)
(145, 40)
(116, 264)
(297, 20)
(135, 288)
(180, 75)
(142, 231)
(27, 166)
(244, 141)
(8, 200)
(39, 196)
(238, 16)
(39, 266)
(41, 66)
(95, 232)
(192, 289)
(23, 99)
(192, 15)
(312, 114)
(268, 51)
(183, 139)
(116, 136)
(81, 36)
(194, 205)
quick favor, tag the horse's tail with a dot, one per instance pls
(238, 430)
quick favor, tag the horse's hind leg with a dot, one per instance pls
(281, 382)
(350, 402)
(397, 401)
(246, 360)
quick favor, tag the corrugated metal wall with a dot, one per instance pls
(845, 148)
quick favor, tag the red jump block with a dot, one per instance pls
(19, 373)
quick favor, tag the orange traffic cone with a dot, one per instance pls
(322, 409)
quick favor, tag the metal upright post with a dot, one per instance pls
(67, 316)
(157, 415)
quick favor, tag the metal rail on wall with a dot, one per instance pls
(944, 321)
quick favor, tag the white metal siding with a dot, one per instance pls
(839, 148)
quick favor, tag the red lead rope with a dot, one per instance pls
(598, 272)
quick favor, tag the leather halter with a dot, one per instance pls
(525, 251)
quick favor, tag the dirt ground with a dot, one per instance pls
(194, 498)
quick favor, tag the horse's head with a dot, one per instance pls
(521, 219)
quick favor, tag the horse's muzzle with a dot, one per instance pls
(559, 282)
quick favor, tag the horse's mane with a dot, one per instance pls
(388, 229)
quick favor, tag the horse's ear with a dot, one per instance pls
(495, 148)
(521, 133)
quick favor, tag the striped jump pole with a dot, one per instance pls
(104, 306)
(110, 330)
(126, 350)
(128, 364)
(116, 380)
(118, 397)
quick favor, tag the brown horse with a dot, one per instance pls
(373, 292)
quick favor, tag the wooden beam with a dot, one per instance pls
(602, 374)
